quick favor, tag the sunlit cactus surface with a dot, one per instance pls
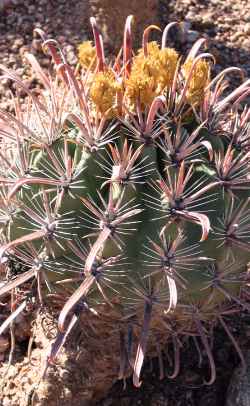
(125, 191)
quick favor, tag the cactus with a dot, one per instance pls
(125, 195)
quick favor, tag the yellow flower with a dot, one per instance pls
(152, 48)
(150, 74)
(140, 87)
(199, 80)
(168, 59)
(103, 90)
(86, 54)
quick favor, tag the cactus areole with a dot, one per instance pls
(125, 190)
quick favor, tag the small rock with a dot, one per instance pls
(236, 36)
(12, 371)
(247, 28)
(68, 48)
(70, 54)
(7, 402)
(190, 15)
(20, 71)
(10, 37)
(246, 43)
(71, 57)
(208, 20)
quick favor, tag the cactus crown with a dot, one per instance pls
(125, 191)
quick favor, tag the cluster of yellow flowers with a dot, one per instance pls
(199, 80)
(150, 76)
(86, 54)
(103, 91)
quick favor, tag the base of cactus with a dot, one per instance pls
(86, 368)
(83, 373)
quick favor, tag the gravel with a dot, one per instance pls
(65, 21)
(224, 23)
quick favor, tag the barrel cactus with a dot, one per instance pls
(125, 196)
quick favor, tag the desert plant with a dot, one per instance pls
(125, 195)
